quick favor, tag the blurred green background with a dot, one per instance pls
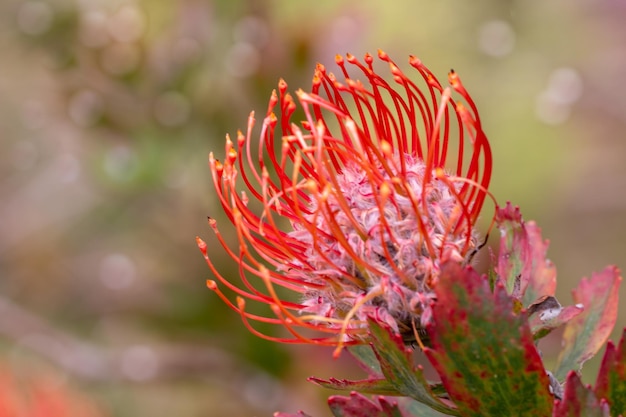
(109, 108)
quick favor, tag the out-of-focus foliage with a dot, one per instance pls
(108, 109)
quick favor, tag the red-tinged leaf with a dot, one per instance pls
(392, 409)
(522, 263)
(514, 252)
(585, 334)
(611, 381)
(541, 279)
(484, 353)
(397, 367)
(579, 401)
(358, 405)
(547, 314)
(367, 386)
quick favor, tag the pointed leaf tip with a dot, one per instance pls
(585, 334)
(611, 380)
(522, 263)
(379, 386)
(579, 401)
(356, 405)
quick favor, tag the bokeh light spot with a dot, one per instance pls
(171, 109)
(117, 271)
(93, 31)
(496, 38)
(565, 87)
(253, 30)
(120, 58)
(34, 17)
(127, 24)
(120, 163)
(344, 28)
(85, 107)
(242, 60)
(139, 363)
(67, 168)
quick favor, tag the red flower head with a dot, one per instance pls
(359, 204)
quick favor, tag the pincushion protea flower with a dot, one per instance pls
(359, 205)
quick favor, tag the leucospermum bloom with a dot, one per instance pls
(355, 208)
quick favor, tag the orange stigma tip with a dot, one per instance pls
(453, 78)
(311, 186)
(385, 190)
(201, 244)
(337, 352)
(212, 285)
(386, 148)
(382, 55)
(241, 303)
(351, 58)
(282, 85)
(369, 58)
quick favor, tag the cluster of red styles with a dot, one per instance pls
(356, 207)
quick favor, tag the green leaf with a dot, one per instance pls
(513, 253)
(522, 263)
(579, 401)
(585, 334)
(611, 381)
(396, 365)
(416, 408)
(367, 386)
(366, 358)
(483, 352)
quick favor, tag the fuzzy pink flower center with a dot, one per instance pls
(397, 285)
